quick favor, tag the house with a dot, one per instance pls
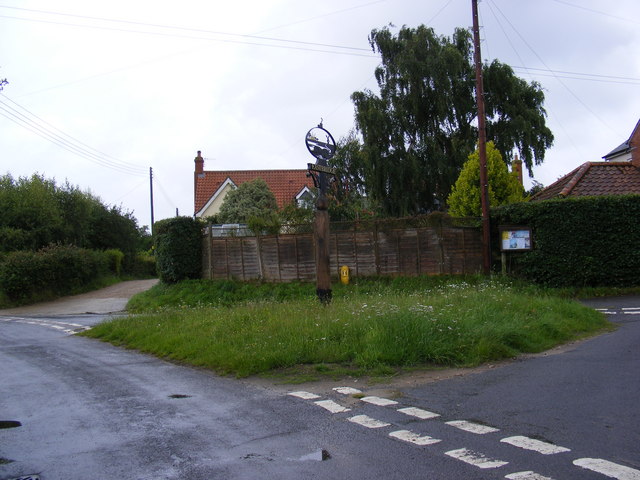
(210, 187)
(626, 152)
(618, 174)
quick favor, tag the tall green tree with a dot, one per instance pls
(347, 195)
(504, 186)
(37, 213)
(419, 130)
(31, 217)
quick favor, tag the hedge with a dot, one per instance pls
(584, 241)
(178, 247)
(50, 272)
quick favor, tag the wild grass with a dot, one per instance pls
(376, 326)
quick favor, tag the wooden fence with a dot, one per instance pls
(407, 251)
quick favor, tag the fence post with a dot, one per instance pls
(278, 257)
(244, 277)
(376, 249)
(355, 246)
(210, 252)
(439, 234)
(259, 253)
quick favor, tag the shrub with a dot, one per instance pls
(144, 266)
(577, 242)
(114, 259)
(52, 271)
(178, 243)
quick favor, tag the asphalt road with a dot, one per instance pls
(85, 409)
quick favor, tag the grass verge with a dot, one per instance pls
(374, 327)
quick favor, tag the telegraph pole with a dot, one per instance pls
(482, 145)
(151, 192)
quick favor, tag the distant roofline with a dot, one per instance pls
(625, 146)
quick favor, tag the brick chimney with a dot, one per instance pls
(198, 174)
(634, 143)
(199, 164)
(516, 166)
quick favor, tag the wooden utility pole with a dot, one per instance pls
(482, 145)
(151, 192)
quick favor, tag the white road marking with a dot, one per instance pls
(535, 445)
(304, 395)
(527, 476)
(610, 469)
(472, 427)
(332, 406)
(347, 390)
(368, 422)
(625, 311)
(411, 437)
(475, 459)
(65, 327)
(381, 402)
(418, 413)
(478, 460)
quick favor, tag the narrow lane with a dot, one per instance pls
(89, 410)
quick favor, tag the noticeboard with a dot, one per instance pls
(515, 239)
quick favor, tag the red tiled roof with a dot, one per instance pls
(594, 179)
(285, 184)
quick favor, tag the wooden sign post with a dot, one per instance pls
(321, 145)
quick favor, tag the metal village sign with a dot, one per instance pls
(322, 146)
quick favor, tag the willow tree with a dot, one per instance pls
(419, 130)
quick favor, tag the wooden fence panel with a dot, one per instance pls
(430, 251)
(387, 256)
(472, 251)
(290, 257)
(219, 260)
(306, 257)
(408, 252)
(365, 254)
(269, 255)
(235, 268)
(288, 254)
(345, 251)
(250, 250)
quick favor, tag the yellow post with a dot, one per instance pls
(344, 275)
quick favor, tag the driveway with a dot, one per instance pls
(108, 300)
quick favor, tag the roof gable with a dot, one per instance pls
(219, 191)
(594, 179)
(285, 184)
(627, 146)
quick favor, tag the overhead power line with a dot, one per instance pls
(554, 74)
(188, 32)
(598, 12)
(592, 77)
(28, 120)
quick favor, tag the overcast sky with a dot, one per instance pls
(118, 87)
